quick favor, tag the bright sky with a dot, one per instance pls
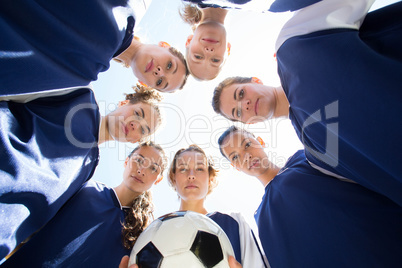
(188, 114)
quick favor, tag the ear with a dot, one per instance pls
(229, 47)
(189, 38)
(158, 180)
(261, 141)
(122, 103)
(256, 80)
(163, 44)
(126, 162)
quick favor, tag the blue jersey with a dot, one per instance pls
(87, 232)
(48, 149)
(49, 44)
(245, 246)
(257, 5)
(345, 96)
(308, 219)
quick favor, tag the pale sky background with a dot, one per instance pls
(188, 114)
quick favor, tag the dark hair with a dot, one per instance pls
(180, 55)
(216, 103)
(212, 171)
(140, 213)
(228, 132)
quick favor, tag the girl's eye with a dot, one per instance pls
(169, 65)
(216, 60)
(142, 130)
(248, 144)
(241, 94)
(182, 170)
(154, 169)
(198, 57)
(139, 160)
(234, 158)
(159, 82)
(200, 169)
(238, 113)
(137, 113)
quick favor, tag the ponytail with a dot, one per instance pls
(191, 14)
(138, 217)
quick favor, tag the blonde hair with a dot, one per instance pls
(191, 14)
(140, 213)
(212, 171)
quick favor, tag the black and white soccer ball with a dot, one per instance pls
(182, 239)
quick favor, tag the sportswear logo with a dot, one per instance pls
(331, 154)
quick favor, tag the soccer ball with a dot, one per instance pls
(182, 239)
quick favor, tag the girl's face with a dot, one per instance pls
(191, 178)
(158, 68)
(206, 50)
(142, 169)
(131, 122)
(248, 103)
(245, 153)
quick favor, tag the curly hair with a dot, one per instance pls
(140, 213)
(212, 171)
(148, 96)
(216, 103)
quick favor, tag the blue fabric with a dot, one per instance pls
(85, 233)
(49, 44)
(345, 99)
(308, 219)
(48, 149)
(231, 228)
(276, 6)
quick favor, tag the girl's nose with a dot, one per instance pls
(158, 71)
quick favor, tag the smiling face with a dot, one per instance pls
(249, 103)
(159, 68)
(206, 50)
(131, 122)
(245, 153)
(142, 169)
(191, 179)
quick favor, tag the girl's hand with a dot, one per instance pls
(232, 263)
(124, 263)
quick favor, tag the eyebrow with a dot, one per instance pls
(235, 151)
(243, 142)
(157, 164)
(142, 112)
(234, 96)
(231, 154)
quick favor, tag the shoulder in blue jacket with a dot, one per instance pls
(85, 233)
(48, 149)
(308, 219)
